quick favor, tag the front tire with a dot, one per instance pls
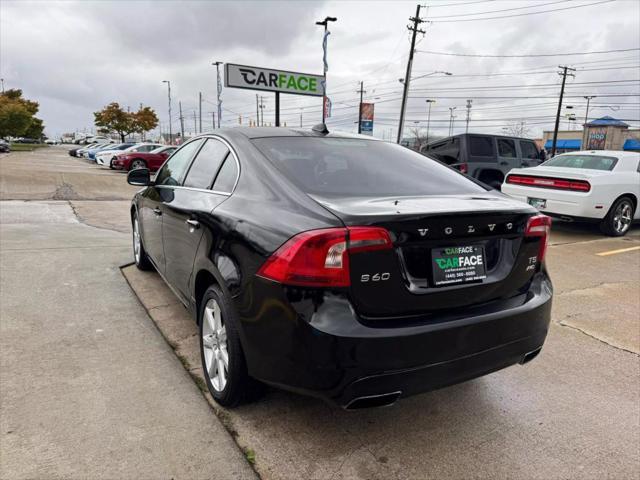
(223, 362)
(139, 254)
(619, 218)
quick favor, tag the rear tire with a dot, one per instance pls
(223, 363)
(619, 218)
(139, 255)
(137, 164)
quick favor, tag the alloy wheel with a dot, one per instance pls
(214, 344)
(136, 240)
(622, 217)
(136, 164)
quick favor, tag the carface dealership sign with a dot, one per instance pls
(256, 78)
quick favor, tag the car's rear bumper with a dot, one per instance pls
(560, 203)
(324, 350)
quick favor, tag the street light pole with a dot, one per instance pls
(586, 115)
(451, 109)
(325, 23)
(429, 101)
(217, 64)
(169, 94)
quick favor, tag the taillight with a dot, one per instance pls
(548, 182)
(539, 226)
(320, 258)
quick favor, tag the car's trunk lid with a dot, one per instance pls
(408, 281)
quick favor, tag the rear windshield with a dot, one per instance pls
(591, 162)
(361, 168)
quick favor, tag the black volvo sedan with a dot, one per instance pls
(341, 266)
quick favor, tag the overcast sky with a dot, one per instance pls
(76, 57)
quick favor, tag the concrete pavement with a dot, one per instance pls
(88, 386)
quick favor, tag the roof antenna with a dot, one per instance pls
(320, 128)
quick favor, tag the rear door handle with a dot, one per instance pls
(157, 211)
(193, 223)
(504, 163)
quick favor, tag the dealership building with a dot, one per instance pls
(606, 133)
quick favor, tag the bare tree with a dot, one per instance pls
(518, 129)
(420, 137)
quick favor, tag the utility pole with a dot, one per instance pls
(469, 102)
(213, 120)
(360, 107)
(451, 117)
(555, 130)
(407, 78)
(301, 117)
(181, 122)
(325, 67)
(2, 81)
(586, 115)
(169, 92)
(195, 123)
(200, 109)
(218, 88)
(429, 102)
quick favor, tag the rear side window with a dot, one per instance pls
(591, 162)
(481, 146)
(361, 168)
(226, 179)
(173, 170)
(206, 164)
(446, 151)
(506, 148)
(529, 150)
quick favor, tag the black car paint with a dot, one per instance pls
(340, 344)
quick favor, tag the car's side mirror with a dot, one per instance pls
(139, 177)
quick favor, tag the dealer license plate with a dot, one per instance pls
(462, 264)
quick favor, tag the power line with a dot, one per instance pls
(524, 14)
(503, 10)
(431, 52)
(460, 4)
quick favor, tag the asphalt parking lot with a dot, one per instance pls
(90, 388)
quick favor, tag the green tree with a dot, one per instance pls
(113, 118)
(17, 116)
(36, 129)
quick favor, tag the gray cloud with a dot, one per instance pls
(74, 57)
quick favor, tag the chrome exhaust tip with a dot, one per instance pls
(530, 356)
(372, 401)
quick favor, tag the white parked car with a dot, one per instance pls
(104, 158)
(81, 151)
(99, 139)
(602, 186)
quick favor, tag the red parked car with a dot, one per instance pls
(152, 160)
